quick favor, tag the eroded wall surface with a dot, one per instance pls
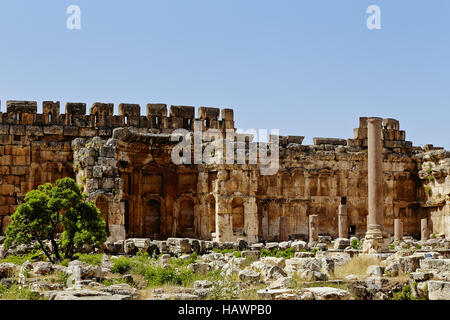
(124, 164)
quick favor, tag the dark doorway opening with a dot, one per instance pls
(352, 230)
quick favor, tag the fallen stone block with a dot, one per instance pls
(327, 293)
(438, 290)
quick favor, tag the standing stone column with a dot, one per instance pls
(224, 231)
(313, 228)
(374, 238)
(424, 231)
(251, 220)
(342, 221)
(398, 230)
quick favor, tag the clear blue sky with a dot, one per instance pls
(306, 67)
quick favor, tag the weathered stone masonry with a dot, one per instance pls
(123, 161)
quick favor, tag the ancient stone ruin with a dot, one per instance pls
(371, 185)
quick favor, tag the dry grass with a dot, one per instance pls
(356, 266)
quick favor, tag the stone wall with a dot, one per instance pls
(435, 173)
(124, 163)
(36, 148)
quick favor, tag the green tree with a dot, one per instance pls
(48, 207)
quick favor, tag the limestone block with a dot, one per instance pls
(17, 130)
(7, 189)
(299, 245)
(391, 124)
(332, 141)
(131, 110)
(75, 108)
(437, 264)
(182, 112)
(410, 263)
(296, 264)
(199, 267)
(178, 245)
(360, 133)
(42, 267)
(272, 293)
(249, 275)
(375, 271)
(102, 161)
(87, 132)
(341, 243)
(70, 131)
(328, 293)
(227, 115)
(156, 109)
(21, 160)
(21, 106)
(107, 152)
(363, 122)
(4, 129)
(97, 172)
(438, 290)
(34, 131)
(208, 113)
(281, 262)
(6, 160)
(295, 139)
(390, 135)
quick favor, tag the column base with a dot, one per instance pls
(374, 242)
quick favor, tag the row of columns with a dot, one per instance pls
(374, 240)
(343, 230)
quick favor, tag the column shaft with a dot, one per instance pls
(375, 173)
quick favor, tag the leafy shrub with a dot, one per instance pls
(157, 275)
(182, 263)
(48, 207)
(35, 255)
(65, 262)
(110, 282)
(287, 253)
(122, 265)
(61, 277)
(357, 244)
(404, 294)
(93, 259)
(237, 254)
